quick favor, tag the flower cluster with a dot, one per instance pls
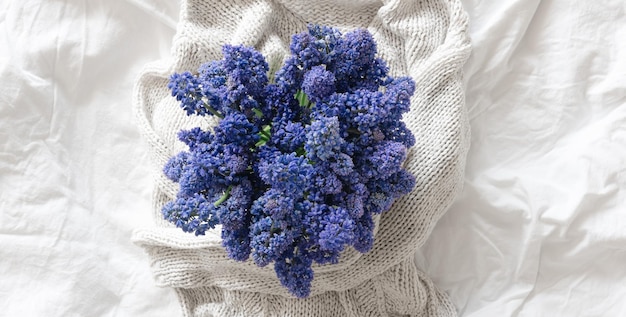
(296, 168)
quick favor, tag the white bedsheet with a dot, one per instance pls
(539, 230)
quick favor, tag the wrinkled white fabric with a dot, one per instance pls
(538, 230)
(74, 180)
(426, 40)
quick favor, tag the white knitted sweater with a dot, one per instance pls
(425, 39)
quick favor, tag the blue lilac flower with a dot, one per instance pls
(213, 166)
(338, 230)
(359, 188)
(312, 217)
(195, 179)
(273, 239)
(378, 201)
(397, 96)
(342, 164)
(194, 137)
(295, 273)
(326, 182)
(323, 139)
(400, 133)
(289, 173)
(214, 88)
(236, 83)
(276, 204)
(234, 161)
(314, 225)
(174, 167)
(236, 243)
(318, 83)
(366, 110)
(188, 90)
(281, 106)
(318, 46)
(295, 169)
(232, 213)
(334, 106)
(375, 76)
(193, 214)
(307, 50)
(385, 159)
(235, 128)
(364, 233)
(269, 241)
(265, 153)
(358, 51)
(288, 136)
(384, 191)
(289, 76)
(260, 234)
(360, 111)
(213, 75)
(327, 38)
(354, 205)
(246, 68)
(400, 183)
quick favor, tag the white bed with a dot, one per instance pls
(539, 229)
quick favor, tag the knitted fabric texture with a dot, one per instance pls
(424, 39)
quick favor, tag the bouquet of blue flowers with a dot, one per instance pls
(300, 161)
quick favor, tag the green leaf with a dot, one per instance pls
(213, 111)
(264, 135)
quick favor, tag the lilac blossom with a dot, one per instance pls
(295, 169)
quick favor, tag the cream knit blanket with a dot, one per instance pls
(425, 39)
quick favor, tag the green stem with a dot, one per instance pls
(300, 151)
(213, 111)
(302, 98)
(257, 113)
(224, 196)
(354, 131)
(266, 132)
